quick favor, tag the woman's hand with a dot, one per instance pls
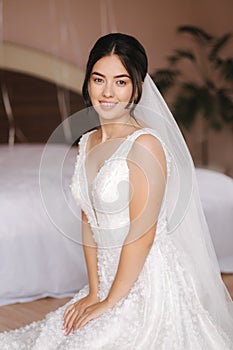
(91, 312)
(76, 310)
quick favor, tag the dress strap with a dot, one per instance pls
(82, 142)
(124, 148)
(126, 145)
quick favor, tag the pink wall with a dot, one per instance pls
(68, 28)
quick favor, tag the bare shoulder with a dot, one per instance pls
(91, 137)
(148, 150)
(150, 143)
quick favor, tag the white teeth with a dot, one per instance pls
(108, 104)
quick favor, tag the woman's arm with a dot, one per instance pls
(147, 167)
(74, 311)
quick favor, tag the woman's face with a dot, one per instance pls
(110, 88)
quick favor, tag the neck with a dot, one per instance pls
(114, 129)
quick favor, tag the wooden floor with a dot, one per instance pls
(21, 314)
(228, 280)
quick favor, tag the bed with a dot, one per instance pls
(37, 256)
(216, 192)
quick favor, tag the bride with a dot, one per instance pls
(154, 280)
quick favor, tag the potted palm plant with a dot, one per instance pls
(209, 93)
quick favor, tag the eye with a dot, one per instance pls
(121, 82)
(98, 80)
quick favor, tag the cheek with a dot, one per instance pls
(125, 94)
(93, 91)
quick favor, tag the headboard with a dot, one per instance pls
(31, 108)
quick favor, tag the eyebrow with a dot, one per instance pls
(116, 76)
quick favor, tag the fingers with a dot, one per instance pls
(70, 324)
(86, 317)
(68, 316)
(78, 317)
(69, 308)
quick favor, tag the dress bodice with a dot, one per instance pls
(107, 209)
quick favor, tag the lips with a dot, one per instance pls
(107, 105)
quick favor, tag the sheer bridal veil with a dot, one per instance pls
(187, 226)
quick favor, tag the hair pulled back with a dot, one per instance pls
(132, 55)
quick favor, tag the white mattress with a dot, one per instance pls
(216, 192)
(36, 259)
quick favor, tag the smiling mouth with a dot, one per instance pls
(107, 105)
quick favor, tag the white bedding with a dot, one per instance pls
(216, 192)
(36, 260)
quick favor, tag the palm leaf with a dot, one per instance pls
(226, 68)
(187, 105)
(209, 84)
(208, 103)
(185, 54)
(226, 105)
(218, 62)
(190, 89)
(165, 78)
(219, 44)
(197, 33)
(172, 59)
(202, 98)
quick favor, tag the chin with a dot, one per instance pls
(115, 114)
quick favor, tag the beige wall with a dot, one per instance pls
(67, 29)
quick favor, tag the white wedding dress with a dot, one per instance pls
(162, 311)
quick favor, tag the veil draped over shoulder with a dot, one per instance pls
(187, 225)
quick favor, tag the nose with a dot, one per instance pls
(108, 90)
